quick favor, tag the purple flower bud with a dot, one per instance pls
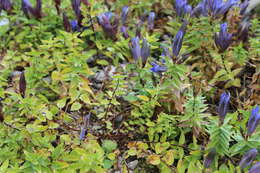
(177, 41)
(151, 18)
(66, 23)
(200, 9)
(29, 10)
(124, 32)
(124, 14)
(109, 26)
(5, 5)
(253, 120)
(223, 39)
(182, 7)
(76, 7)
(248, 158)
(255, 168)
(209, 158)
(27, 7)
(135, 48)
(223, 105)
(82, 133)
(158, 68)
(145, 51)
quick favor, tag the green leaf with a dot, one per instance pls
(75, 106)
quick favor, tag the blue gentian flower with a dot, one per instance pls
(158, 68)
(209, 158)
(135, 48)
(145, 51)
(82, 133)
(223, 105)
(5, 5)
(109, 26)
(255, 168)
(123, 29)
(75, 26)
(138, 52)
(124, 13)
(253, 120)
(218, 7)
(223, 39)
(177, 41)
(200, 9)
(243, 6)
(182, 7)
(248, 158)
(151, 18)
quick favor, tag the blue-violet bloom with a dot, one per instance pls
(223, 39)
(253, 120)
(223, 105)
(248, 158)
(151, 18)
(177, 41)
(255, 168)
(124, 13)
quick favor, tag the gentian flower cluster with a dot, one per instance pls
(30, 11)
(248, 158)
(177, 41)
(223, 105)
(109, 25)
(253, 120)
(182, 7)
(219, 7)
(223, 39)
(138, 52)
(5, 5)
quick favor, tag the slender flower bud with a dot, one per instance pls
(76, 8)
(223, 105)
(66, 23)
(255, 168)
(82, 133)
(248, 158)
(223, 39)
(124, 32)
(124, 14)
(253, 120)
(177, 41)
(151, 18)
(209, 158)
(145, 51)
(135, 48)
(57, 5)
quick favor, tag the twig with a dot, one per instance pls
(110, 102)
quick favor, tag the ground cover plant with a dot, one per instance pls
(129, 86)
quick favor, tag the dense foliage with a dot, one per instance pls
(143, 86)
